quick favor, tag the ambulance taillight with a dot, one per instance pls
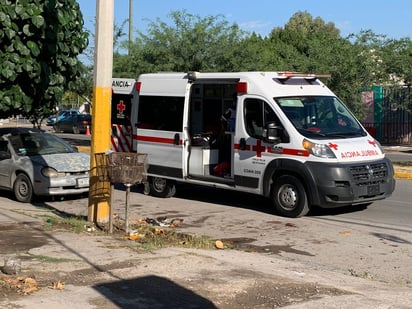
(241, 87)
(138, 85)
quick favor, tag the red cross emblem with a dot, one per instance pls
(258, 148)
(373, 143)
(333, 146)
(121, 107)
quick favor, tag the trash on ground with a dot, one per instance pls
(89, 228)
(161, 221)
(12, 266)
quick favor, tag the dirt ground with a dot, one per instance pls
(246, 289)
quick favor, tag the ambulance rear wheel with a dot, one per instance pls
(289, 197)
(161, 187)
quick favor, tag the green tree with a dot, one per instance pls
(39, 44)
(389, 60)
(308, 44)
(304, 44)
(189, 43)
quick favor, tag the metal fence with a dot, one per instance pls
(393, 117)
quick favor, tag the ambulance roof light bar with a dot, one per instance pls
(309, 77)
(301, 74)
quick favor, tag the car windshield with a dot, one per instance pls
(320, 116)
(32, 144)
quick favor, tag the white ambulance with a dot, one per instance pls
(282, 135)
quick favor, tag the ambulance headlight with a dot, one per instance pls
(318, 150)
(379, 146)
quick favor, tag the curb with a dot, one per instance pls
(85, 149)
(402, 174)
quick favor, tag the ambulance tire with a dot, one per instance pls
(289, 197)
(161, 187)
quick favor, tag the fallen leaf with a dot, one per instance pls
(219, 244)
(134, 236)
(176, 222)
(345, 232)
(158, 231)
(57, 285)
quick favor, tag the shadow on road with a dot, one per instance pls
(151, 292)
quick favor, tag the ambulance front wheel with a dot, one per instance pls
(289, 197)
(161, 187)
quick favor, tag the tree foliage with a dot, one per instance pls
(39, 44)
(190, 43)
(40, 41)
(304, 44)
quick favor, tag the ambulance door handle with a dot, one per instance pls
(176, 139)
(242, 144)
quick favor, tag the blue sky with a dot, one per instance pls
(391, 18)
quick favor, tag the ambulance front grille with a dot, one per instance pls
(369, 174)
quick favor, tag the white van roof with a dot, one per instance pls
(271, 84)
(123, 85)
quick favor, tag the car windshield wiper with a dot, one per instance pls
(304, 131)
(343, 134)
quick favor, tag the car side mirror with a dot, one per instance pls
(273, 133)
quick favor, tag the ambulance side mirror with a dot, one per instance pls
(273, 133)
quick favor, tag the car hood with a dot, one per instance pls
(64, 162)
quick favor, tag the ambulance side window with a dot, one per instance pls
(257, 114)
(160, 113)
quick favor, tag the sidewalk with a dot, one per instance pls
(105, 272)
(401, 171)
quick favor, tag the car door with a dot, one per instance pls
(253, 153)
(160, 134)
(66, 123)
(5, 164)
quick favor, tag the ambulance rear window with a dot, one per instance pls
(160, 113)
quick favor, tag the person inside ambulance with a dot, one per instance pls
(228, 119)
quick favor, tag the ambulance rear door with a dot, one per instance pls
(123, 96)
(160, 122)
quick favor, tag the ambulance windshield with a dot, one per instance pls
(320, 116)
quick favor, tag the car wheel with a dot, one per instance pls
(76, 129)
(161, 187)
(289, 197)
(23, 189)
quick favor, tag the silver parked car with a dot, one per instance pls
(33, 162)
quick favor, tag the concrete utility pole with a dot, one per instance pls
(100, 193)
(130, 25)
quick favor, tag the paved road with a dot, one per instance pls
(362, 252)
